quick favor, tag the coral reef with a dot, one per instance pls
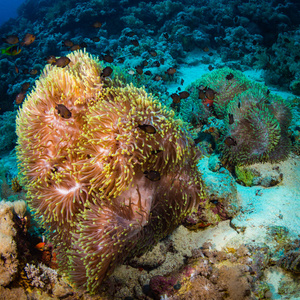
(8, 252)
(104, 164)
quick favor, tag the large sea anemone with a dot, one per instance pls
(107, 168)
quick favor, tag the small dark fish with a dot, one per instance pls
(148, 73)
(20, 98)
(25, 86)
(210, 67)
(145, 63)
(121, 60)
(229, 76)
(83, 45)
(152, 175)
(16, 69)
(268, 92)
(147, 128)
(201, 94)
(108, 58)
(184, 94)
(229, 141)
(156, 63)
(68, 43)
(95, 39)
(239, 104)
(139, 70)
(176, 98)
(171, 71)
(209, 93)
(62, 62)
(179, 88)
(97, 24)
(230, 119)
(156, 151)
(11, 39)
(28, 39)
(162, 61)
(135, 43)
(130, 34)
(153, 53)
(75, 47)
(166, 35)
(181, 81)
(33, 72)
(51, 59)
(106, 72)
(210, 54)
(63, 111)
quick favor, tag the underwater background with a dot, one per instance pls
(150, 150)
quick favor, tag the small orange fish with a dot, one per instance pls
(153, 53)
(25, 86)
(40, 246)
(210, 93)
(147, 128)
(229, 76)
(152, 175)
(33, 72)
(176, 98)
(63, 111)
(210, 67)
(135, 43)
(108, 58)
(16, 69)
(207, 102)
(106, 72)
(184, 94)
(28, 39)
(139, 70)
(130, 33)
(75, 47)
(20, 97)
(96, 39)
(205, 49)
(62, 62)
(171, 71)
(68, 43)
(51, 59)
(157, 78)
(11, 39)
(97, 24)
(166, 35)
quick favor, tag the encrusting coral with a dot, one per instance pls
(106, 166)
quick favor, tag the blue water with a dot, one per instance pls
(9, 9)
